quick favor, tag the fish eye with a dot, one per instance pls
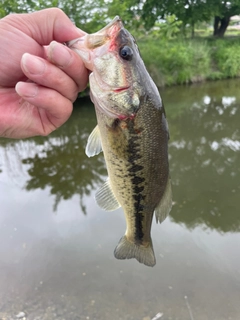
(126, 53)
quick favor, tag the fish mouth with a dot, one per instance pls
(98, 39)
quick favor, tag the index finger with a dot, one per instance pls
(69, 62)
(45, 25)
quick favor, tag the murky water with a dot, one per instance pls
(56, 245)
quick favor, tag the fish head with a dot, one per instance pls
(116, 81)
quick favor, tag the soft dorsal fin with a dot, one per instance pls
(105, 197)
(94, 145)
(164, 207)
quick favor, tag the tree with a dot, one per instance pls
(187, 11)
(88, 15)
(223, 11)
(190, 12)
(24, 6)
(128, 11)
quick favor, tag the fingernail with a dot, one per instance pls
(60, 55)
(26, 89)
(32, 64)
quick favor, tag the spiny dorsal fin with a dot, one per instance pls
(105, 197)
(165, 205)
(94, 145)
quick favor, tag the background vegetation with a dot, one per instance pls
(181, 41)
(185, 61)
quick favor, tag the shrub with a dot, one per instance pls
(227, 57)
(176, 62)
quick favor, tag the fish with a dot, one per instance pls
(132, 131)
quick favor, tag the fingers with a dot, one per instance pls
(48, 75)
(54, 108)
(52, 89)
(69, 62)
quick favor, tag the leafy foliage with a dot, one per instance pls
(127, 10)
(186, 11)
(228, 58)
(168, 29)
(176, 62)
(88, 15)
(23, 6)
(189, 12)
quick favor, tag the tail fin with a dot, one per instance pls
(128, 250)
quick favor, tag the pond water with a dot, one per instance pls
(56, 245)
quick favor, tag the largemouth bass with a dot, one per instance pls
(132, 132)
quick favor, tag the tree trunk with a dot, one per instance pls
(220, 26)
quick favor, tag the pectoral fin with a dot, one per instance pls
(165, 205)
(105, 197)
(94, 145)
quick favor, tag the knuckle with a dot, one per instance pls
(60, 81)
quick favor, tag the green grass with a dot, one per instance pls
(227, 57)
(183, 61)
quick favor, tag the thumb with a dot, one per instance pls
(47, 25)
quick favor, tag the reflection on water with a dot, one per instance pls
(58, 161)
(57, 263)
(204, 156)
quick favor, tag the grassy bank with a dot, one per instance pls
(192, 60)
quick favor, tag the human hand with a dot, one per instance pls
(38, 81)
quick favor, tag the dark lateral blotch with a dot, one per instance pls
(137, 180)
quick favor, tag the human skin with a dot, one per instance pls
(39, 77)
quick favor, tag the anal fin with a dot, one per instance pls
(105, 197)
